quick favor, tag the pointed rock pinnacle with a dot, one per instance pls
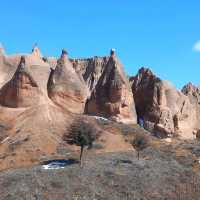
(112, 52)
(36, 51)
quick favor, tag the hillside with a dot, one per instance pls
(40, 97)
(167, 172)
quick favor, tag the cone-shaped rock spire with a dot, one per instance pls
(36, 51)
(2, 51)
(112, 95)
(112, 52)
(65, 87)
(22, 90)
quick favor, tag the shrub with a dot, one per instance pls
(139, 143)
(83, 134)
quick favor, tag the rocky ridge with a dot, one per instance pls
(163, 109)
(40, 97)
(112, 95)
(98, 86)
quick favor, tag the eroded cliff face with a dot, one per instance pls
(112, 96)
(41, 96)
(98, 86)
(90, 70)
(22, 90)
(163, 109)
(193, 93)
(71, 84)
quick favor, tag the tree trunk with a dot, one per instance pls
(138, 155)
(81, 156)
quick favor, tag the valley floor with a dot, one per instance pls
(167, 172)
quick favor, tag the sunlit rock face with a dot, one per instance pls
(22, 90)
(164, 110)
(96, 86)
(90, 70)
(65, 88)
(36, 51)
(112, 95)
(193, 93)
(41, 96)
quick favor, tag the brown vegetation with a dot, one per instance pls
(83, 134)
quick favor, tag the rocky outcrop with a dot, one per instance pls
(90, 69)
(193, 93)
(36, 51)
(65, 88)
(22, 90)
(70, 82)
(98, 86)
(163, 109)
(112, 96)
(2, 51)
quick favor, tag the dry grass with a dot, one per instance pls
(182, 153)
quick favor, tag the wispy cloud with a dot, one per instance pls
(196, 46)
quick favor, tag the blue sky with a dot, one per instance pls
(155, 33)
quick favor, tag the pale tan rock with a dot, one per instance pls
(193, 93)
(2, 51)
(164, 109)
(112, 95)
(36, 122)
(38, 68)
(65, 88)
(36, 51)
(90, 69)
(22, 90)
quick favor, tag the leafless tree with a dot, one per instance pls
(83, 134)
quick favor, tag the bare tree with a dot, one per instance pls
(83, 134)
(139, 142)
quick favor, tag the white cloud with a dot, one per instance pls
(196, 46)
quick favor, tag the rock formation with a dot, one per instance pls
(112, 96)
(70, 82)
(193, 93)
(98, 86)
(163, 109)
(22, 90)
(36, 51)
(65, 88)
(90, 69)
(40, 97)
(2, 51)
